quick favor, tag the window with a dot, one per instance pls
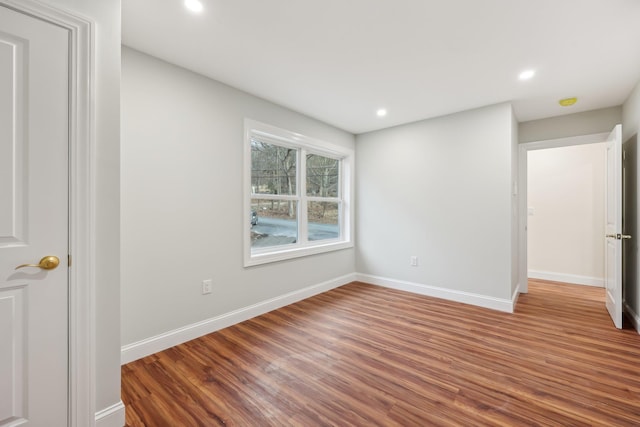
(297, 195)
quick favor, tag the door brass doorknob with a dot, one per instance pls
(47, 263)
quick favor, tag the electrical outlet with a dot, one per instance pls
(206, 286)
(413, 261)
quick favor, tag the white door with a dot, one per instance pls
(34, 132)
(613, 226)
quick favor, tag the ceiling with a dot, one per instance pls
(339, 61)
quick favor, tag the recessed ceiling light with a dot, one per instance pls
(568, 102)
(193, 5)
(526, 75)
(381, 112)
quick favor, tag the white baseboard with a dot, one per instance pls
(146, 347)
(112, 416)
(500, 304)
(514, 298)
(633, 316)
(567, 278)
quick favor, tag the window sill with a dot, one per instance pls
(283, 254)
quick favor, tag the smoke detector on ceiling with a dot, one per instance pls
(568, 102)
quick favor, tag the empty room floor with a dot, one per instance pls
(363, 355)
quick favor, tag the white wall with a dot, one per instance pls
(106, 15)
(631, 273)
(182, 217)
(515, 209)
(441, 190)
(585, 123)
(631, 114)
(565, 232)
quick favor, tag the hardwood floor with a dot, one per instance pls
(363, 355)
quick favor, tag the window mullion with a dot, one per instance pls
(274, 197)
(342, 213)
(323, 199)
(303, 234)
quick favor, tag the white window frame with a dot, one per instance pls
(304, 145)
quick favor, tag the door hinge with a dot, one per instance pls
(69, 260)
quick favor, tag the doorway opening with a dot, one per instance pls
(613, 211)
(565, 214)
(524, 150)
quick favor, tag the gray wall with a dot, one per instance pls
(588, 122)
(631, 114)
(515, 208)
(630, 128)
(106, 15)
(630, 273)
(440, 189)
(182, 217)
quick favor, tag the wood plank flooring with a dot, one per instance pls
(362, 355)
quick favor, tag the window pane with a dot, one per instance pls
(324, 220)
(273, 223)
(322, 176)
(273, 168)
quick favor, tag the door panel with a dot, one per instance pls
(12, 134)
(12, 353)
(34, 141)
(613, 227)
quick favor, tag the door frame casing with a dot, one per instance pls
(523, 150)
(81, 369)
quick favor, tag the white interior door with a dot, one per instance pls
(34, 133)
(613, 226)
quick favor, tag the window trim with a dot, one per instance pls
(304, 145)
